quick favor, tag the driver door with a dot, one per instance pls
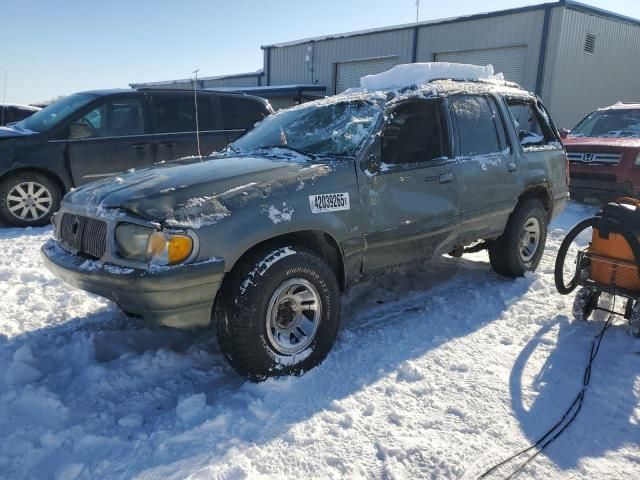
(110, 139)
(411, 189)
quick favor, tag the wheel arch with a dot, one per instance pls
(43, 171)
(538, 192)
(318, 241)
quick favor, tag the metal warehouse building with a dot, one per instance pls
(576, 57)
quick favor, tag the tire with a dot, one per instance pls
(585, 303)
(259, 331)
(561, 257)
(28, 199)
(634, 321)
(507, 254)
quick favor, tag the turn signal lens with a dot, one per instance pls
(168, 249)
(637, 162)
(179, 248)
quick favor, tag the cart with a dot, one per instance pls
(608, 265)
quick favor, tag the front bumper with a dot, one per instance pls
(180, 296)
(601, 189)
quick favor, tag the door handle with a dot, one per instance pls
(140, 146)
(167, 144)
(512, 167)
(446, 177)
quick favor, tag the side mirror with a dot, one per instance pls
(564, 132)
(78, 131)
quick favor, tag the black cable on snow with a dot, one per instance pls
(569, 416)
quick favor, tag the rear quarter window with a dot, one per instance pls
(480, 131)
(532, 125)
(241, 113)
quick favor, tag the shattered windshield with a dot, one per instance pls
(609, 123)
(336, 129)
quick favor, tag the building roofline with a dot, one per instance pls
(570, 4)
(257, 73)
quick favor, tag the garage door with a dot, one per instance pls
(511, 61)
(348, 73)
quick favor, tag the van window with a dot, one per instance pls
(532, 129)
(177, 113)
(241, 113)
(415, 132)
(116, 118)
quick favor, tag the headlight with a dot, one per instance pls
(147, 245)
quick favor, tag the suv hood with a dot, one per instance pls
(179, 192)
(570, 142)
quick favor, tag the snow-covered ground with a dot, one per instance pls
(436, 374)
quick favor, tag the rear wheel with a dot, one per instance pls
(520, 247)
(28, 199)
(585, 303)
(634, 321)
(278, 313)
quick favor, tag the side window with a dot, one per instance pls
(241, 113)
(177, 113)
(531, 125)
(117, 118)
(415, 132)
(480, 129)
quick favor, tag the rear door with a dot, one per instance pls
(240, 114)
(110, 139)
(176, 130)
(410, 186)
(489, 180)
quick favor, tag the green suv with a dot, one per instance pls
(260, 240)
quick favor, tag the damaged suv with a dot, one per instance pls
(260, 240)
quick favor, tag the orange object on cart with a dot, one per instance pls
(612, 260)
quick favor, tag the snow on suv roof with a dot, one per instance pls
(409, 74)
(622, 106)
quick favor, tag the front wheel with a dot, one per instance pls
(28, 199)
(278, 313)
(520, 247)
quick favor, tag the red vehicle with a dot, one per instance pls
(604, 153)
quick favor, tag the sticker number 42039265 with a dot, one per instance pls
(329, 202)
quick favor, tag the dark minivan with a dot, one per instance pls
(97, 134)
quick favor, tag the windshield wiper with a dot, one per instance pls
(312, 156)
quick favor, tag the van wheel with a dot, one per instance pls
(28, 199)
(521, 245)
(278, 313)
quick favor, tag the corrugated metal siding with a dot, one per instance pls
(289, 65)
(578, 82)
(348, 74)
(511, 61)
(248, 81)
(520, 29)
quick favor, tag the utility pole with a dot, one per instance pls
(417, 9)
(195, 102)
(4, 96)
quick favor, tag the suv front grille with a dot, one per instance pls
(83, 234)
(602, 158)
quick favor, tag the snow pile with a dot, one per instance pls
(409, 74)
(437, 373)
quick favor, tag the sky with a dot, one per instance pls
(51, 48)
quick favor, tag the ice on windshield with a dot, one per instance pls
(337, 128)
(610, 124)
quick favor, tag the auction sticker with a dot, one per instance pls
(329, 202)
